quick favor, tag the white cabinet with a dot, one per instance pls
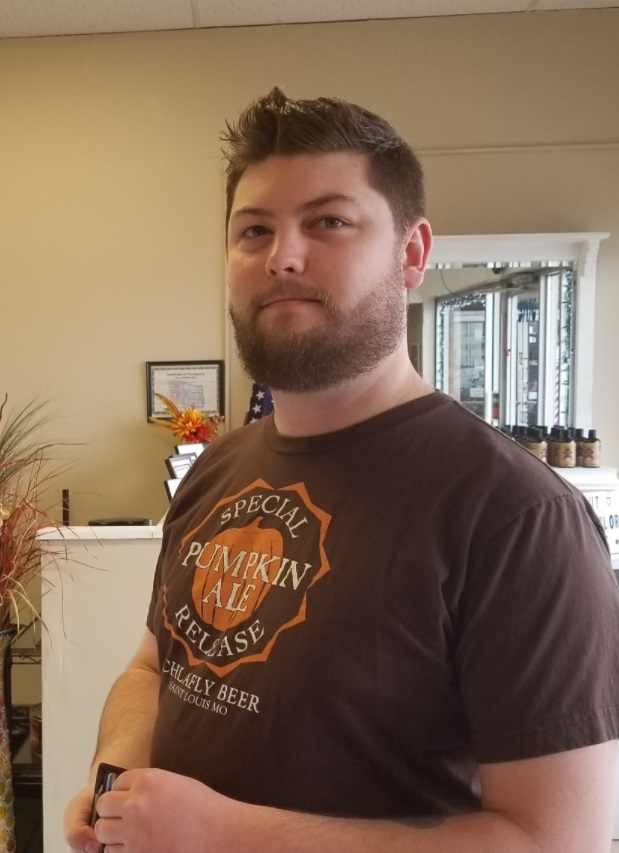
(601, 488)
(96, 591)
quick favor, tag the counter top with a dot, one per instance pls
(594, 478)
(86, 533)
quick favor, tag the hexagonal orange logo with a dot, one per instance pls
(243, 575)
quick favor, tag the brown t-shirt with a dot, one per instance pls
(350, 623)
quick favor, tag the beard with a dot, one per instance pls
(347, 344)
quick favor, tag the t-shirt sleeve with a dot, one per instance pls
(538, 655)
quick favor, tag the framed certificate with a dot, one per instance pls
(189, 384)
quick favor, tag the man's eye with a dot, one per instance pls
(332, 222)
(254, 231)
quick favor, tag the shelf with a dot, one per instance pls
(27, 768)
(26, 655)
(27, 632)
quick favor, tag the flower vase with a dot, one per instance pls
(7, 813)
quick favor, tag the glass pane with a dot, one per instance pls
(566, 345)
(461, 356)
(525, 347)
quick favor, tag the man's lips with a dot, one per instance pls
(292, 299)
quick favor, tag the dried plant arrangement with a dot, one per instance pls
(27, 468)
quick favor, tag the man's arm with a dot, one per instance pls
(125, 734)
(560, 803)
(128, 718)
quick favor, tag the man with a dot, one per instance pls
(377, 624)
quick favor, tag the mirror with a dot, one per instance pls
(504, 323)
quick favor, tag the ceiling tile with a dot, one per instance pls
(72, 17)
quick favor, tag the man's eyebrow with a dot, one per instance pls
(249, 210)
(327, 199)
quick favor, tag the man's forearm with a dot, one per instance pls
(155, 811)
(264, 830)
(128, 718)
(558, 803)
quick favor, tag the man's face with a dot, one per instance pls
(317, 293)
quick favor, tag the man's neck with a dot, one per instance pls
(390, 384)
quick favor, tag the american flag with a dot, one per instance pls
(260, 403)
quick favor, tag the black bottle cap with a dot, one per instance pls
(593, 435)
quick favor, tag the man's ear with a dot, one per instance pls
(418, 242)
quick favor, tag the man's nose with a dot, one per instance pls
(287, 254)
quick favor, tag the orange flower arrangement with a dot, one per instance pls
(191, 425)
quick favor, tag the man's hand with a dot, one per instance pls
(153, 810)
(78, 833)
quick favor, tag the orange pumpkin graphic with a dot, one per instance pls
(240, 566)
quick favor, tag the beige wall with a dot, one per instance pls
(111, 194)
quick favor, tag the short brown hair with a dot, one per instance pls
(275, 124)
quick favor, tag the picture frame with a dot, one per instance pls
(170, 487)
(179, 465)
(195, 447)
(189, 384)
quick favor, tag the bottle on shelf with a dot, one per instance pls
(536, 444)
(552, 446)
(565, 450)
(591, 450)
(520, 433)
(578, 438)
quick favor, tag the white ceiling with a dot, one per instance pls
(28, 18)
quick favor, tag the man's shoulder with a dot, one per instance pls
(473, 464)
